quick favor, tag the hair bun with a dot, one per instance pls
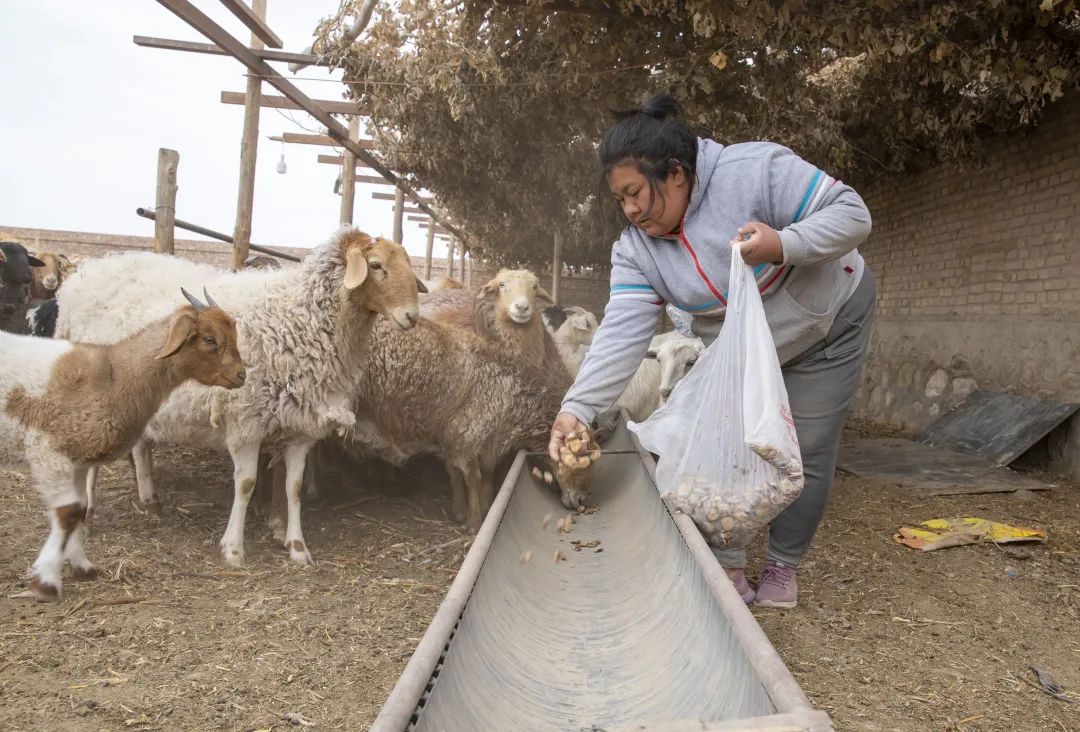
(661, 106)
(658, 106)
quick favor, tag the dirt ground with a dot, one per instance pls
(885, 638)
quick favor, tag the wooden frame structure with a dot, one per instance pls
(255, 59)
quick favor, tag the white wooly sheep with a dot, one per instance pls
(572, 328)
(302, 331)
(69, 406)
(675, 356)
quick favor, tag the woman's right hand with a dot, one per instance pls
(565, 427)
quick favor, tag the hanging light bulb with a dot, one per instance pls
(282, 167)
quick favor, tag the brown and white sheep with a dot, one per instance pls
(69, 406)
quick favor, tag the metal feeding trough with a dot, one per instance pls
(633, 627)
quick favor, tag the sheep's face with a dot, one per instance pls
(517, 292)
(379, 278)
(676, 358)
(15, 264)
(202, 344)
(581, 324)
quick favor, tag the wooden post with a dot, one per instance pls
(556, 267)
(450, 258)
(461, 268)
(430, 249)
(348, 176)
(249, 144)
(165, 201)
(399, 212)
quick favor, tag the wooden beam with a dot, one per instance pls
(399, 211)
(187, 226)
(377, 180)
(165, 201)
(249, 149)
(418, 218)
(450, 259)
(461, 263)
(348, 177)
(219, 36)
(297, 138)
(556, 267)
(390, 197)
(427, 255)
(169, 44)
(254, 20)
(272, 101)
(412, 210)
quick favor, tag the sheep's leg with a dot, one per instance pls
(144, 478)
(487, 489)
(279, 502)
(75, 552)
(91, 484)
(245, 457)
(474, 490)
(458, 503)
(295, 459)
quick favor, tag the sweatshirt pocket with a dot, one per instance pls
(794, 327)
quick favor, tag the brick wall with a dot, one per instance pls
(589, 290)
(978, 279)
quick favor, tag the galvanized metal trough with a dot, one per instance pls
(646, 634)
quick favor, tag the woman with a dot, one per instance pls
(685, 200)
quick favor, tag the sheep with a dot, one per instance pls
(68, 406)
(444, 390)
(56, 269)
(572, 328)
(15, 277)
(304, 329)
(443, 283)
(41, 318)
(262, 261)
(675, 357)
(504, 309)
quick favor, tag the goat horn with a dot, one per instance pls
(210, 300)
(194, 300)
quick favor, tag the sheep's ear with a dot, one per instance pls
(491, 288)
(34, 261)
(544, 295)
(356, 269)
(183, 327)
(420, 286)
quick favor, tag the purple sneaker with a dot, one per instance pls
(777, 587)
(738, 578)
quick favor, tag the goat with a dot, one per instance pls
(47, 278)
(69, 406)
(675, 357)
(305, 331)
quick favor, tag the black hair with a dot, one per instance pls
(653, 138)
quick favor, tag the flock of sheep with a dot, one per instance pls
(347, 351)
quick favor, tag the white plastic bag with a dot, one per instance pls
(729, 456)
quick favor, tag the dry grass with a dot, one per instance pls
(885, 637)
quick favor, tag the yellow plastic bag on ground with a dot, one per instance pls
(942, 533)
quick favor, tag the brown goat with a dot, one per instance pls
(48, 278)
(70, 406)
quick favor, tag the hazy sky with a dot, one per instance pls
(86, 110)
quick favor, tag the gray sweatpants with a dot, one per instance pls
(821, 385)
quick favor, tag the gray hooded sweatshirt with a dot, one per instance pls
(820, 221)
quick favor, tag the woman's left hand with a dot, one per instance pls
(763, 245)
